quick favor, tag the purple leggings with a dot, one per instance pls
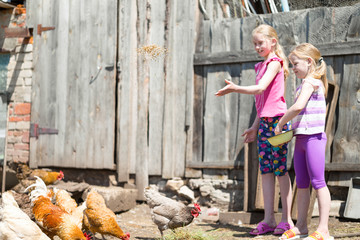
(309, 160)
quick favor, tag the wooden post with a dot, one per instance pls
(246, 176)
(3, 185)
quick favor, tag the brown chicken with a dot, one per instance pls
(167, 213)
(51, 217)
(69, 205)
(26, 175)
(47, 177)
(100, 219)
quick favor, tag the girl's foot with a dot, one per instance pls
(282, 227)
(262, 228)
(294, 233)
(320, 236)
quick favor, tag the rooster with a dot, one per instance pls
(15, 224)
(69, 205)
(51, 217)
(167, 213)
(98, 218)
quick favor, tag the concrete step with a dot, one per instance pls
(118, 199)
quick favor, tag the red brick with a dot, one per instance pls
(10, 146)
(17, 133)
(26, 137)
(22, 108)
(10, 133)
(15, 119)
(25, 154)
(19, 119)
(21, 146)
(20, 159)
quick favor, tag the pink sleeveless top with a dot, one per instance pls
(271, 103)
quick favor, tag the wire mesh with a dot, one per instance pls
(243, 8)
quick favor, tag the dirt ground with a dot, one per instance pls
(138, 222)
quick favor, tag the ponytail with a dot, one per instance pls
(279, 51)
(320, 72)
(306, 51)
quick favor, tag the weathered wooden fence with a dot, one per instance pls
(161, 117)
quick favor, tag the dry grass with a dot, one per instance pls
(152, 52)
(193, 234)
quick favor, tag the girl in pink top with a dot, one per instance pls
(308, 114)
(270, 106)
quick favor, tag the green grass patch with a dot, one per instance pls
(192, 234)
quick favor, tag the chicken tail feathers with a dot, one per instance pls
(40, 189)
(153, 197)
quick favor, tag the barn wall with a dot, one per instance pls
(169, 123)
(18, 79)
(224, 50)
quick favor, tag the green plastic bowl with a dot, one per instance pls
(281, 138)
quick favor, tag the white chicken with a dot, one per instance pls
(15, 224)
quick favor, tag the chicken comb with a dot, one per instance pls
(197, 206)
(61, 175)
(88, 237)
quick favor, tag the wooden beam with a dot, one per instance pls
(342, 167)
(215, 165)
(225, 57)
(327, 49)
(6, 5)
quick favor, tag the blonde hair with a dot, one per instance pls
(308, 51)
(270, 33)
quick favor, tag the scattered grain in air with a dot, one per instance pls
(152, 51)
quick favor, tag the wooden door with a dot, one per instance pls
(73, 82)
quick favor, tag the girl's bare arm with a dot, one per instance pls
(273, 68)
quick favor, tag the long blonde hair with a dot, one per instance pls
(270, 33)
(308, 51)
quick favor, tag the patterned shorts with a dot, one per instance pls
(272, 159)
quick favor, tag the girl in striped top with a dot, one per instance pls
(308, 115)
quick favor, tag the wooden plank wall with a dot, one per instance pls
(168, 121)
(341, 56)
(180, 128)
(74, 83)
(154, 95)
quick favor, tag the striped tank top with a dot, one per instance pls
(311, 119)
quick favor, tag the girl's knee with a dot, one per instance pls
(302, 183)
(317, 184)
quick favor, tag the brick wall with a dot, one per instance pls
(19, 80)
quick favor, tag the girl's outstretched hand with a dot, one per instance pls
(250, 135)
(230, 87)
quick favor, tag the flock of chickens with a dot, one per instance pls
(57, 214)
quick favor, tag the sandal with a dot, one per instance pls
(318, 236)
(262, 228)
(290, 234)
(283, 226)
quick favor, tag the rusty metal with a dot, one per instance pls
(35, 131)
(41, 29)
(18, 32)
